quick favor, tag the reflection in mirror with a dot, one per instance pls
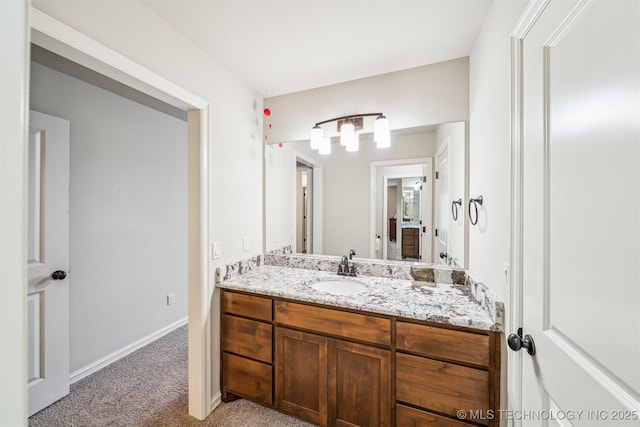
(35, 190)
(383, 203)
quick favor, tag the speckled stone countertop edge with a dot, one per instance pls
(474, 291)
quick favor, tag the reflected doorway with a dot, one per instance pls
(402, 209)
(404, 216)
(304, 208)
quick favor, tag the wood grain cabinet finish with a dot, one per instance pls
(247, 338)
(410, 242)
(440, 343)
(247, 305)
(440, 386)
(247, 347)
(301, 375)
(344, 368)
(332, 382)
(359, 385)
(412, 417)
(355, 326)
(247, 378)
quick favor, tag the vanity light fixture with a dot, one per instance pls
(348, 126)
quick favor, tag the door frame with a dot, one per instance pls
(514, 317)
(427, 164)
(436, 203)
(316, 199)
(14, 104)
(73, 45)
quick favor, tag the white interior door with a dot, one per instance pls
(426, 209)
(581, 213)
(442, 205)
(48, 260)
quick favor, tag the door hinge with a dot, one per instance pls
(420, 222)
(424, 229)
(424, 179)
(437, 175)
(421, 188)
(436, 232)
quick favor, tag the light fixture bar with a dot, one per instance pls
(353, 116)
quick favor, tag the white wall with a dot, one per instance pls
(128, 214)
(457, 238)
(489, 148)
(432, 94)
(134, 31)
(279, 188)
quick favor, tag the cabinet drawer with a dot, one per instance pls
(443, 343)
(440, 386)
(247, 305)
(247, 337)
(333, 322)
(247, 378)
(411, 417)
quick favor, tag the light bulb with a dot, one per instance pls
(316, 137)
(381, 132)
(347, 133)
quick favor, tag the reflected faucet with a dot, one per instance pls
(344, 269)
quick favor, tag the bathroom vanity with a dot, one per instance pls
(398, 352)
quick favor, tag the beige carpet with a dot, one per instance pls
(149, 388)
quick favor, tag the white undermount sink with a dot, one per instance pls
(339, 286)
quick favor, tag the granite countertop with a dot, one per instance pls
(435, 302)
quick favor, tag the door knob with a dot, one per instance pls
(58, 275)
(443, 255)
(516, 342)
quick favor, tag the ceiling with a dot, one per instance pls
(284, 46)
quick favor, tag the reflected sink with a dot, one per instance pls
(339, 286)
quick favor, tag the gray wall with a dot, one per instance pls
(128, 214)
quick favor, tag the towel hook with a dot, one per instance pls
(454, 208)
(477, 201)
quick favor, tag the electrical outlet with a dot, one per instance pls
(506, 275)
(171, 298)
(245, 243)
(216, 250)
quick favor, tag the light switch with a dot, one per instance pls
(171, 298)
(245, 243)
(216, 250)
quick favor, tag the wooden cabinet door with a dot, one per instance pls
(359, 385)
(301, 375)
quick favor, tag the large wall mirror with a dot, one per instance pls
(403, 203)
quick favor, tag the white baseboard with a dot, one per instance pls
(215, 401)
(119, 354)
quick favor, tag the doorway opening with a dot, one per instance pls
(68, 43)
(402, 210)
(118, 197)
(304, 207)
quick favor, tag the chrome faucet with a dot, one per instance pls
(343, 268)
